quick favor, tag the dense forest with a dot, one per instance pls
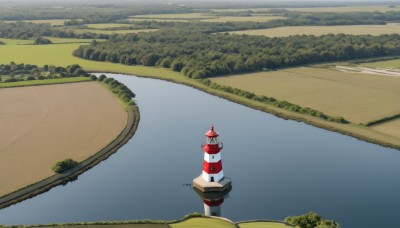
(97, 13)
(26, 30)
(201, 55)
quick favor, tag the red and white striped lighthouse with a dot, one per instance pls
(212, 165)
(212, 178)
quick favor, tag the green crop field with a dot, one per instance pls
(175, 16)
(347, 9)
(203, 222)
(357, 97)
(98, 31)
(108, 226)
(103, 26)
(263, 225)
(53, 39)
(344, 9)
(384, 64)
(51, 22)
(15, 42)
(255, 18)
(61, 55)
(322, 30)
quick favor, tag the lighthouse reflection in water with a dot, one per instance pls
(213, 201)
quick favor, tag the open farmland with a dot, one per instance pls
(358, 97)
(41, 125)
(347, 9)
(255, 18)
(391, 128)
(104, 26)
(386, 64)
(177, 16)
(98, 31)
(334, 9)
(51, 22)
(323, 30)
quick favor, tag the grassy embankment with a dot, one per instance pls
(43, 82)
(60, 54)
(322, 30)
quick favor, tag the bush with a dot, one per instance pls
(93, 77)
(40, 40)
(102, 77)
(40, 77)
(65, 165)
(311, 220)
(30, 78)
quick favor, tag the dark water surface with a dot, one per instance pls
(278, 168)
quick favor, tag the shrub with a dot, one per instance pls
(93, 77)
(65, 165)
(29, 78)
(102, 77)
(311, 220)
(40, 77)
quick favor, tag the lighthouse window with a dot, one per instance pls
(213, 157)
(212, 168)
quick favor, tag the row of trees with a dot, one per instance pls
(311, 220)
(121, 90)
(20, 72)
(274, 102)
(202, 55)
(24, 31)
(96, 13)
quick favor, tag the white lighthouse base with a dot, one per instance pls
(223, 185)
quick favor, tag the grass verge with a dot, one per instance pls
(44, 82)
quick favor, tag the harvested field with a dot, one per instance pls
(175, 16)
(358, 97)
(255, 18)
(45, 124)
(344, 9)
(323, 30)
(391, 128)
(51, 22)
(103, 26)
(98, 31)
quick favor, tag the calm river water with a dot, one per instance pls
(278, 167)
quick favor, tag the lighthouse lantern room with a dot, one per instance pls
(212, 177)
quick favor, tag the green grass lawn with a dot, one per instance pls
(263, 225)
(203, 223)
(111, 226)
(43, 82)
(109, 32)
(384, 64)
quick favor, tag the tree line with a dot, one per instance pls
(27, 30)
(202, 55)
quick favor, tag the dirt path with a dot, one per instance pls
(366, 70)
(41, 125)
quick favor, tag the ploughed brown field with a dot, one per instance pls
(41, 125)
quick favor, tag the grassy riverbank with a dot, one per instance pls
(61, 54)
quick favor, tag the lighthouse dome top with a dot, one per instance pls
(212, 133)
